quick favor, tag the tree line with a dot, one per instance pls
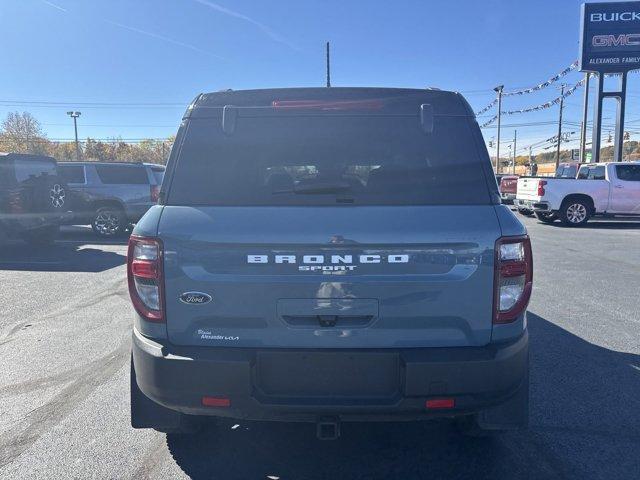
(22, 133)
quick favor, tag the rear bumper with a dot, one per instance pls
(532, 205)
(271, 384)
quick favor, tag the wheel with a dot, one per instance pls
(41, 236)
(524, 211)
(575, 213)
(546, 217)
(109, 222)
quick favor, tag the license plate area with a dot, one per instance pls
(330, 377)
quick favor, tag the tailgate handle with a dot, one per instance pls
(327, 320)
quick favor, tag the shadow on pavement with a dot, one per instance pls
(76, 250)
(601, 225)
(585, 423)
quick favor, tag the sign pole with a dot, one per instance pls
(617, 153)
(585, 109)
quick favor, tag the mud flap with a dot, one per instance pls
(511, 415)
(145, 413)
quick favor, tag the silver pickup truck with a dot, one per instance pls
(600, 189)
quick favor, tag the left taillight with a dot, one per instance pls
(145, 277)
(513, 278)
(155, 193)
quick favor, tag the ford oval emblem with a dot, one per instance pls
(195, 298)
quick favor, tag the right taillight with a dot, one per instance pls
(513, 278)
(145, 277)
(541, 184)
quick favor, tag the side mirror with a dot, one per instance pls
(426, 118)
(229, 119)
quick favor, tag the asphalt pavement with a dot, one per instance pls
(65, 324)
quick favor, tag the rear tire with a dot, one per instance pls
(546, 217)
(575, 213)
(109, 222)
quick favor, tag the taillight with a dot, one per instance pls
(541, 184)
(513, 278)
(145, 277)
(155, 193)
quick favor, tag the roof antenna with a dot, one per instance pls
(328, 68)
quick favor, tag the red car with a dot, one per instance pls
(508, 188)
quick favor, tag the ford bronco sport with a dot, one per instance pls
(329, 255)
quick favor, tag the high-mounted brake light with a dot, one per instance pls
(513, 278)
(145, 277)
(329, 105)
(541, 184)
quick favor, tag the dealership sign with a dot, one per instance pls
(610, 37)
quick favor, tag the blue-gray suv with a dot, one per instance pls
(329, 255)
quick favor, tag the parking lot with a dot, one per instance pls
(64, 350)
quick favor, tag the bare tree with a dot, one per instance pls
(21, 133)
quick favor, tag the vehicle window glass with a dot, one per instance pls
(27, 169)
(6, 173)
(583, 173)
(72, 173)
(628, 173)
(324, 160)
(569, 172)
(158, 174)
(596, 173)
(122, 174)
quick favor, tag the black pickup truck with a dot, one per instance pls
(33, 198)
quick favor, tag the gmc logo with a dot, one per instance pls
(616, 40)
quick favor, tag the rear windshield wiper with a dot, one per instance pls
(317, 188)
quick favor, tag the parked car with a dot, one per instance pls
(508, 187)
(33, 198)
(110, 196)
(600, 189)
(269, 285)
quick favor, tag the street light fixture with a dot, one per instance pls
(75, 115)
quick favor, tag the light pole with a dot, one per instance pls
(560, 125)
(75, 116)
(498, 90)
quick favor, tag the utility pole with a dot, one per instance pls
(75, 116)
(560, 125)
(498, 90)
(530, 155)
(583, 126)
(328, 67)
(515, 140)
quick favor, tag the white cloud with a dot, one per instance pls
(268, 31)
(163, 38)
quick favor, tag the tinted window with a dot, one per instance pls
(567, 172)
(596, 173)
(72, 173)
(583, 173)
(329, 159)
(122, 174)
(628, 173)
(158, 174)
(25, 170)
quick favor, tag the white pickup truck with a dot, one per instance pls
(599, 189)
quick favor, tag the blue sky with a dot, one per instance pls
(132, 66)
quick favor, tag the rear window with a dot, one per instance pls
(72, 173)
(628, 173)
(567, 172)
(122, 174)
(28, 169)
(329, 159)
